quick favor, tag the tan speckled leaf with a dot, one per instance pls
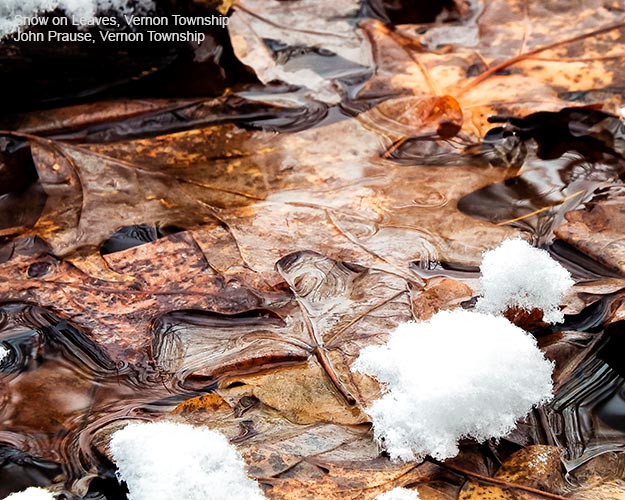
(598, 229)
(536, 467)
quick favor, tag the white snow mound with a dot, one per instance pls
(399, 494)
(460, 374)
(31, 494)
(4, 352)
(515, 274)
(11, 9)
(165, 460)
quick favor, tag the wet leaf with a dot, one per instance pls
(439, 293)
(87, 186)
(596, 230)
(296, 461)
(305, 230)
(193, 181)
(568, 349)
(338, 309)
(600, 477)
(536, 468)
(116, 314)
(108, 121)
(285, 42)
(503, 58)
(610, 490)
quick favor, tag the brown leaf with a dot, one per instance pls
(507, 57)
(597, 230)
(600, 477)
(568, 349)
(534, 468)
(295, 461)
(339, 308)
(116, 315)
(439, 293)
(159, 180)
(610, 490)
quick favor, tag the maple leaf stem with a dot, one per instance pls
(510, 62)
(492, 480)
(321, 354)
(394, 147)
(326, 364)
(329, 340)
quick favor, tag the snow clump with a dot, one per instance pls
(459, 374)
(11, 9)
(399, 494)
(515, 274)
(165, 460)
(31, 494)
(4, 352)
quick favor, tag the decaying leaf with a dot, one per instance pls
(339, 308)
(116, 314)
(597, 230)
(507, 58)
(295, 461)
(522, 477)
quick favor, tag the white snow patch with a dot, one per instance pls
(31, 494)
(515, 274)
(460, 374)
(4, 352)
(399, 494)
(165, 460)
(11, 9)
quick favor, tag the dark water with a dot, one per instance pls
(58, 390)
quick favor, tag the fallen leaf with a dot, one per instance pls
(338, 309)
(609, 490)
(505, 58)
(285, 42)
(522, 477)
(296, 461)
(596, 230)
(439, 293)
(116, 315)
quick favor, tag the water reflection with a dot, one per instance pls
(58, 389)
(589, 413)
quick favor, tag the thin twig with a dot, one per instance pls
(506, 485)
(513, 60)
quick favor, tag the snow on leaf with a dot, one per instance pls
(4, 353)
(460, 374)
(163, 460)
(515, 274)
(32, 494)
